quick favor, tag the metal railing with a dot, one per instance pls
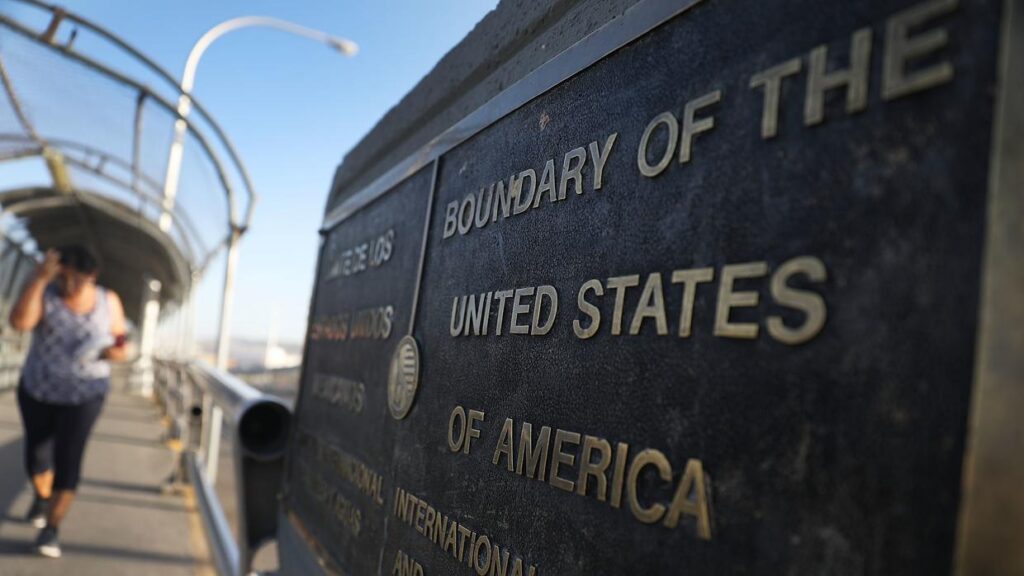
(257, 426)
(16, 264)
(13, 347)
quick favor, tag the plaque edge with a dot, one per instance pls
(991, 509)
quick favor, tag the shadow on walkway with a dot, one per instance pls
(16, 548)
(122, 486)
(136, 502)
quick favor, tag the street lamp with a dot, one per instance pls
(212, 415)
(344, 46)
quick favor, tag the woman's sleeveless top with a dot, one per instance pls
(63, 364)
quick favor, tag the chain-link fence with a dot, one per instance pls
(101, 116)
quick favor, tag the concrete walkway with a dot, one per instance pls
(120, 523)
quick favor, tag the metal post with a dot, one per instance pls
(188, 346)
(188, 76)
(147, 341)
(140, 103)
(227, 301)
(182, 335)
(216, 417)
(215, 424)
(174, 161)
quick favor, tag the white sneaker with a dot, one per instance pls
(46, 543)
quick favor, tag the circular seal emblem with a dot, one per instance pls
(403, 377)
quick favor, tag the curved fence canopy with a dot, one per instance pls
(95, 118)
(134, 251)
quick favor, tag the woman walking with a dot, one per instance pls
(77, 328)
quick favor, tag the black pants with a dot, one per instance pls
(55, 437)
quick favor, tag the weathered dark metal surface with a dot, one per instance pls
(359, 417)
(831, 448)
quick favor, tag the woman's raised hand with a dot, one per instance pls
(50, 266)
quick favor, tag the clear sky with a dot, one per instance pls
(293, 109)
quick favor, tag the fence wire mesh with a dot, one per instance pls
(72, 88)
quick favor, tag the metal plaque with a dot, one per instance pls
(699, 296)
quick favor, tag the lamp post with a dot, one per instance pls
(342, 45)
(212, 416)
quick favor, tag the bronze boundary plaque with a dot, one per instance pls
(747, 453)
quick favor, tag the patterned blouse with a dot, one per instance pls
(63, 364)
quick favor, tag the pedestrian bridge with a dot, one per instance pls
(122, 522)
(840, 395)
(85, 120)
